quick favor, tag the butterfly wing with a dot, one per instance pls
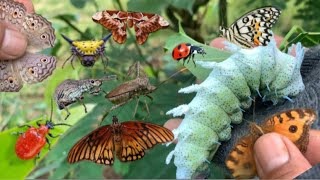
(294, 124)
(115, 21)
(9, 80)
(146, 23)
(97, 146)
(35, 68)
(253, 28)
(39, 31)
(138, 136)
(240, 161)
(12, 12)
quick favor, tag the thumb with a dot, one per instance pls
(12, 43)
(278, 158)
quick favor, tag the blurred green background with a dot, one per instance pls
(199, 19)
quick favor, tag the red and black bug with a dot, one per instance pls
(31, 142)
(186, 51)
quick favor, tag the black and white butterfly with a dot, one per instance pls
(253, 28)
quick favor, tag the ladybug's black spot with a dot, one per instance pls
(293, 128)
(180, 55)
(179, 46)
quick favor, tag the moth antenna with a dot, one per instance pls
(176, 73)
(67, 39)
(106, 37)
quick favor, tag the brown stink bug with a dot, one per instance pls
(133, 89)
(70, 91)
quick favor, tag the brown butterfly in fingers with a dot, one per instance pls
(128, 140)
(117, 21)
(293, 124)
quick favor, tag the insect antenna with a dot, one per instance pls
(109, 78)
(176, 73)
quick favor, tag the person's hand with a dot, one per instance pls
(13, 44)
(278, 158)
(275, 155)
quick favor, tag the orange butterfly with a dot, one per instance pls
(143, 23)
(128, 140)
(294, 124)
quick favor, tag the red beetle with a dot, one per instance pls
(186, 50)
(30, 143)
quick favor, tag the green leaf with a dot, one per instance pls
(213, 54)
(14, 168)
(297, 34)
(147, 6)
(183, 4)
(78, 3)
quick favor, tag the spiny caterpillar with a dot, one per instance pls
(220, 100)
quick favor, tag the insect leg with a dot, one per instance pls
(25, 125)
(192, 58)
(147, 107)
(17, 133)
(48, 143)
(120, 104)
(53, 136)
(69, 58)
(136, 107)
(81, 102)
(151, 98)
(37, 157)
(68, 113)
(38, 123)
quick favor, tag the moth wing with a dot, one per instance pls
(146, 23)
(115, 21)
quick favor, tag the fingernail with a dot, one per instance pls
(14, 44)
(271, 152)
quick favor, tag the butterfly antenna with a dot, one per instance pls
(105, 39)
(67, 39)
(176, 73)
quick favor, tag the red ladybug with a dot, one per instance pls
(186, 50)
(30, 143)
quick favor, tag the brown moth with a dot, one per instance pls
(117, 22)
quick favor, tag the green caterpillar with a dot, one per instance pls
(263, 71)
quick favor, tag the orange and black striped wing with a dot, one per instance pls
(97, 146)
(138, 136)
(240, 161)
